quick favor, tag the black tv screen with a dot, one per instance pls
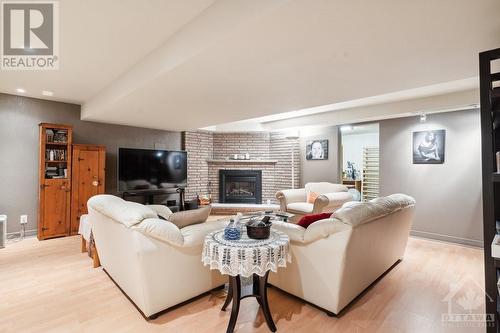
(147, 169)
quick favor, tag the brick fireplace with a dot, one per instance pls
(209, 153)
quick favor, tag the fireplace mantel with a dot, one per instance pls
(242, 161)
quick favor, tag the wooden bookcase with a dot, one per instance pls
(54, 180)
(490, 135)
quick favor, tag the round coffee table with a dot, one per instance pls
(246, 257)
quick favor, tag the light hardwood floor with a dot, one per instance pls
(50, 286)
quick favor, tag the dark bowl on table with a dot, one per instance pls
(259, 232)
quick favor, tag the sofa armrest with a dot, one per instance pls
(322, 229)
(318, 230)
(286, 197)
(295, 232)
(328, 202)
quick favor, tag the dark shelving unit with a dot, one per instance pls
(490, 134)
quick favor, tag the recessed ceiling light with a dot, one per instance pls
(47, 93)
(346, 128)
(20, 90)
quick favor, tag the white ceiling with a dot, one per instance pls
(101, 39)
(189, 64)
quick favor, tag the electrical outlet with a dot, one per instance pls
(24, 219)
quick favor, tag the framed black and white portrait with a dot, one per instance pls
(428, 147)
(317, 149)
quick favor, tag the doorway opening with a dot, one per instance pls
(360, 160)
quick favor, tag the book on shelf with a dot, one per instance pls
(55, 155)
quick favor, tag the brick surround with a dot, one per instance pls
(206, 150)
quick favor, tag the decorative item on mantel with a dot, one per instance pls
(245, 156)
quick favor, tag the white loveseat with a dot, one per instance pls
(156, 264)
(335, 259)
(330, 197)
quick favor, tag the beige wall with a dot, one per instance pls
(448, 195)
(19, 119)
(327, 170)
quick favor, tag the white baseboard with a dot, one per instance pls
(27, 233)
(446, 238)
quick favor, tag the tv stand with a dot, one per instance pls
(149, 195)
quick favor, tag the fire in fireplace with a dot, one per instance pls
(240, 186)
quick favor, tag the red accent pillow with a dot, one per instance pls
(307, 220)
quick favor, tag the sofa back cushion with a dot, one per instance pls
(127, 213)
(356, 213)
(189, 217)
(324, 187)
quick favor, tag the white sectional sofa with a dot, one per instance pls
(159, 265)
(156, 264)
(335, 259)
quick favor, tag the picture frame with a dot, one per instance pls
(317, 149)
(429, 147)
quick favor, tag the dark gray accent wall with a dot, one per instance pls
(19, 119)
(448, 195)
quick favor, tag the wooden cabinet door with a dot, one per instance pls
(55, 215)
(88, 180)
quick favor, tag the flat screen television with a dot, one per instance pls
(149, 169)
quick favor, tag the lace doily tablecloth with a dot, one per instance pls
(246, 256)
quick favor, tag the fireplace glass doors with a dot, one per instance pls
(240, 186)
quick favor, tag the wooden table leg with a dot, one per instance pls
(263, 302)
(95, 257)
(84, 245)
(235, 281)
